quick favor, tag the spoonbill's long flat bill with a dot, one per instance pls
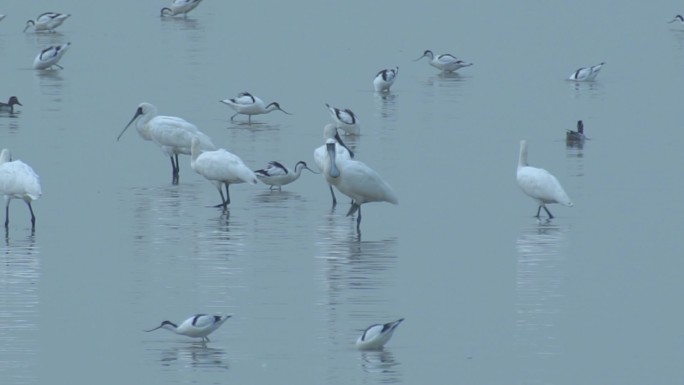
(199, 325)
(539, 184)
(248, 104)
(321, 153)
(18, 181)
(174, 135)
(376, 336)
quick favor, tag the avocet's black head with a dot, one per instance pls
(165, 323)
(277, 107)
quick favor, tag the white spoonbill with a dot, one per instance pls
(345, 120)
(678, 17)
(174, 135)
(199, 325)
(18, 180)
(248, 104)
(50, 56)
(376, 336)
(47, 21)
(180, 6)
(576, 136)
(384, 79)
(357, 181)
(221, 168)
(321, 153)
(9, 106)
(586, 74)
(275, 174)
(445, 62)
(539, 184)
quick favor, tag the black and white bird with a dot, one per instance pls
(345, 120)
(384, 79)
(197, 326)
(275, 174)
(586, 74)
(376, 336)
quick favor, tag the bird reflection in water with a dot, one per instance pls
(194, 355)
(382, 366)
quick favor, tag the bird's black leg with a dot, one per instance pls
(333, 196)
(60, 67)
(548, 212)
(354, 207)
(33, 217)
(358, 220)
(233, 117)
(538, 211)
(7, 215)
(225, 200)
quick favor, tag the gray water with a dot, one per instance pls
(490, 294)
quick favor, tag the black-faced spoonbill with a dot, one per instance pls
(18, 181)
(248, 104)
(180, 6)
(275, 174)
(221, 168)
(321, 153)
(445, 62)
(539, 184)
(376, 336)
(9, 106)
(50, 56)
(200, 325)
(345, 120)
(174, 135)
(384, 79)
(586, 74)
(47, 21)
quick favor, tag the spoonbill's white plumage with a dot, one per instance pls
(576, 136)
(50, 56)
(199, 325)
(445, 62)
(677, 18)
(384, 79)
(275, 174)
(321, 153)
(586, 74)
(248, 104)
(47, 21)
(174, 135)
(539, 184)
(355, 180)
(9, 106)
(345, 119)
(376, 336)
(180, 6)
(18, 181)
(221, 168)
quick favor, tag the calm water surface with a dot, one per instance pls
(490, 295)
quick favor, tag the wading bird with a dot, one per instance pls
(321, 153)
(275, 174)
(200, 325)
(9, 106)
(444, 62)
(384, 79)
(50, 56)
(345, 120)
(248, 104)
(180, 6)
(376, 336)
(47, 21)
(18, 181)
(586, 74)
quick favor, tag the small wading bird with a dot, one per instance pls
(180, 6)
(50, 56)
(48, 21)
(200, 325)
(221, 168)
(9, 106)
(321, 153)
(444, 62)
(539, 184)
(384, 79)
(18, 181)
(345, 120)
(174, 135)
(248, 104)
(376, 336)
(586, 74)
(356, 180)
(576, 136)
(275, 174)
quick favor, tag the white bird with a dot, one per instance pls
(384, 79)
(345, 120)
(576, 136)
(678, 17)
(199, 325)
(9, 106)
(248, 104)
(586, 74)
(444, 62)
(376, 336)
(174, 135)
(539, 184)
(48, 21)
(321, 153)
(221, 168)
(50, 56)
(180, 6)
(275, 174)
(356, 180)
(18, 180)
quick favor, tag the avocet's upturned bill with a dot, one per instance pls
(321, 153)
(677, 18)
(173, 135)
(18, 181)
(376, 336)
(47, 21)
(197, 326)
(384, 79)
(539, 184)
(586, 74)
(180, 6)
(9, 106)
(248, 104)
(345, 120)
(221, 168)
(50, 56)
(275, 174)
(576, 136)
(444, 62)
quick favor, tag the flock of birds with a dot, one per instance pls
(333, 158)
